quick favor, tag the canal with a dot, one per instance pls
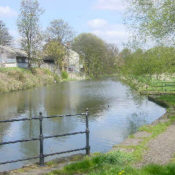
(115, 112)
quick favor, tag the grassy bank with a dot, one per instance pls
(118, 162)
(151, 84)
(13, 79)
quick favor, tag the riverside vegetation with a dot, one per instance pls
(149, 72)
(12, 79)
(147, 78)
(144, 70)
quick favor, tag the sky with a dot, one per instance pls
(101, 17)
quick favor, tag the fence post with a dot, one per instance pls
(87, 134)
(41, 139)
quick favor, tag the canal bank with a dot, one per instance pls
(144, 147)
(153, 143)
(15, 79)
(115, 113)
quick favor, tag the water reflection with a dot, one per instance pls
(115, 112)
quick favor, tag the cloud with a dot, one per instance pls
(111, 33)
(97, 23)
(117, 5)
(7, 12)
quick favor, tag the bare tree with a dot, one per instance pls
(28, 26)
(60, 31)
(5, 37)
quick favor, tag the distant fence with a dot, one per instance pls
(164, 87)
(41, 137)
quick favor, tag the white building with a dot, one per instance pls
(73, 62)
(11, 57)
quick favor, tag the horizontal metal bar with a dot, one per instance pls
(164, 86)
(19, 160)
(17, 120)
(37, 118)
(63, 152)
(68, 115)
(46, 137)
(18, 141)
(62, 135)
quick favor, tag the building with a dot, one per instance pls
(11, 57)
(73, 62)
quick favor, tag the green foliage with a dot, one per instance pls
(169, 99)
(119, 163)
(153, 18)
(12, 79)
(157, 60)
(96, 56)
(87, 166)
(55, 51)
(155, 130)
(64, 75)
(97, 161)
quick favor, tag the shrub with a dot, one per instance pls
(64, 75)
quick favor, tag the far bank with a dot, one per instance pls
(14, 79)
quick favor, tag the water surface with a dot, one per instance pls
(115, 112)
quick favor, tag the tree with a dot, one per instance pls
(55, 51)
(93, 52)
(5, 37)
(28, 26)
(112, 58)
(60, 31)
(125, 54)
(153, 18)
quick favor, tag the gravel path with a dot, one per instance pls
(161, 149)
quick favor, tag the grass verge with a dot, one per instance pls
(12, 79)
(118, 162)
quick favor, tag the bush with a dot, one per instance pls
(64, 75)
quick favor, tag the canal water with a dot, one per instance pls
(115, 112)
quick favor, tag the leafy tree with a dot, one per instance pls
(153, 18)
(112, 61)
(125, 54)
(93, 53)
(60, 31)
(28, 26)
(5, 37)
(55, 51)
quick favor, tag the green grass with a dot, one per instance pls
(115, 163)
(169, 99)
(149, 83)
(12, 79)
(64, 75)
(95, 163)
(120, 163)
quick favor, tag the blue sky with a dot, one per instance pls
(101, 17)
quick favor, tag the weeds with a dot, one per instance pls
(12, 79)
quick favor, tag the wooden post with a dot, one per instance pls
(41, 140)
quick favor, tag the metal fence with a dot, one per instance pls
(41, 137)
(165, 85)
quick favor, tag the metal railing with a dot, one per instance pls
(164, 86)
(41, 137)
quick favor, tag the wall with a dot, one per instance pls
(22, 65)
(10, 65)
(52, 67)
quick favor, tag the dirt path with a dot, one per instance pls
(161, 149)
